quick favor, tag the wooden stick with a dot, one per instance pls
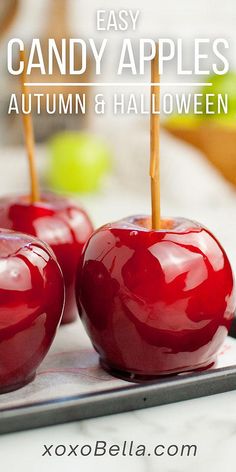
(29, 138)
(155, 143)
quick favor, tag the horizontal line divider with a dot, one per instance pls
(116, 84)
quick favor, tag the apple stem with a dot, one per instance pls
(155, 142)
(29, 139)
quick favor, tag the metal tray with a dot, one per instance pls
(70, 385)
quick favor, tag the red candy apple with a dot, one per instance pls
(61, 224)
(58, 222)
(156, 296)
(155, 301)
(31, 304)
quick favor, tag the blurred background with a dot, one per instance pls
(103, 160)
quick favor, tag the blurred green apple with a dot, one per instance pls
(222, 84)
(184, 121)
(77, 162)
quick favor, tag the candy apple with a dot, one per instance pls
(58, 222)
(31, 304)
(155, 301)
(61, 224)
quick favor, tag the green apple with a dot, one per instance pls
(183, 121)
(77, 162)
(222, 84)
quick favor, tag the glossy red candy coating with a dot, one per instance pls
(155, 302)
(58, 222)
(31, 305)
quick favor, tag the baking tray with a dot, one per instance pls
(70, 385)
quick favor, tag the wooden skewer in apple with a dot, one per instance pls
(54, 219)
(155, 143)
(29, 138)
